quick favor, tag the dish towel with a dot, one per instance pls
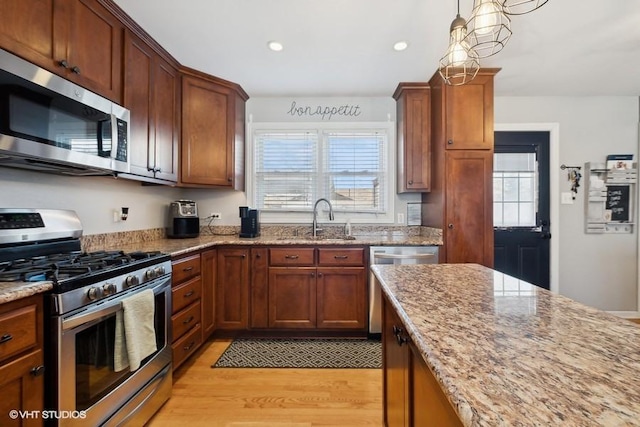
(135, 336)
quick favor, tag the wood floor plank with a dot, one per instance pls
(235, 397)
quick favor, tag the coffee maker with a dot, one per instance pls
(249, 222)
(183, 220)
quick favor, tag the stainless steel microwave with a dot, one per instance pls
(50, 124)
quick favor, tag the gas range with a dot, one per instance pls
(43, 245)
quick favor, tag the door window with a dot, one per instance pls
(515, 192)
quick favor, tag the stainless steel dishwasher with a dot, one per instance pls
(393, 255)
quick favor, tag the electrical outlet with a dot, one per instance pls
(215, 215)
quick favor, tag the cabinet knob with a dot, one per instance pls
(258, 256)
(313, 274)
(450, 142)
(75, 69)
(64, 63)
(229, 179)
(319, 274)
(36, 371)
(450, 226)
(410, 182)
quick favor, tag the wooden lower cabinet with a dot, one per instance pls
(232, 288)
(21, 360)
(186, 307)
(292, 297)
(209, 261)
(411, 394)
(326, 291)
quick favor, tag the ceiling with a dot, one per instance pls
(344, 47)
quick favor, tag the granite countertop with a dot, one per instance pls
(508, 353)
(10, 291)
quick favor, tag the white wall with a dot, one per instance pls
(93, 198)
(596, 269)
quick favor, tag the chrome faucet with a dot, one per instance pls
(315, 215)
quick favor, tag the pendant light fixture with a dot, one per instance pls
(489, 27)
(460, 64)
(520, 7)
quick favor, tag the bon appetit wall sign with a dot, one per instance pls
(325, 112)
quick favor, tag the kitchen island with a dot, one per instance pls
(505, 352)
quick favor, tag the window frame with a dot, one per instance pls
(322, 128)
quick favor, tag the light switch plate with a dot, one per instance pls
(567, 198)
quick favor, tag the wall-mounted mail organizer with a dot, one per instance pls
(609, 198)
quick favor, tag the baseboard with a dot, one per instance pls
(633, 316)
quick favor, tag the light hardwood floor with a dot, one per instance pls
(203, 396)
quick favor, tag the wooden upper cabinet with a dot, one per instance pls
(212, 149)
(468, 112)
(79, 40)
(151, 92)
(413, 118)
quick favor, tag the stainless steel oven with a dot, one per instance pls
(87, 383)
(91, 313)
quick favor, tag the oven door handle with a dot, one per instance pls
(113, 307)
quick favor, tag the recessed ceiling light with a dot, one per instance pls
(400, 46)
(275, 46)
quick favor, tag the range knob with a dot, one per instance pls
(94, 293)
(108, 289)
(131, 281)
(159, 271)
(149, 274)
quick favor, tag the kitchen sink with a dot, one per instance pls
(319, 238)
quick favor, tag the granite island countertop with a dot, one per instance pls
(508, 353)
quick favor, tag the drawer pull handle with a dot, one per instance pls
(75, 69)
(187, 269)
(5, 338)
(188, 294)
(341, 256)
(189, 320)
(188, 347)
(291, 256)
(36, 371)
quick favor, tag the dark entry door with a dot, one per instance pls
(521, 214)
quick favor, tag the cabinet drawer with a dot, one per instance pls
(18, 331)
(344, 256)
(185, 268)
(185, 320)
(291, 256)
(186, 346)
(185, 294)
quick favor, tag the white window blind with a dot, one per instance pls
(295, 168)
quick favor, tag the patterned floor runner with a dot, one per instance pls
(301, 353)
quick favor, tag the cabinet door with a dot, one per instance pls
(341, 298)
(207, 133)
(232, 289)
(429, 405)
(22, 389)
(469, 114)
(91, 44)
(259, 288)
(292, 297)
(208, 304)
(27, 30)
(469, 207)
(166, 92)
(395, 380)
(414, 137)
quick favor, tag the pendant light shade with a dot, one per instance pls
(489, 27)
(460, 64)
(520, 7)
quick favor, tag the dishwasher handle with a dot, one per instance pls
(402, 256)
